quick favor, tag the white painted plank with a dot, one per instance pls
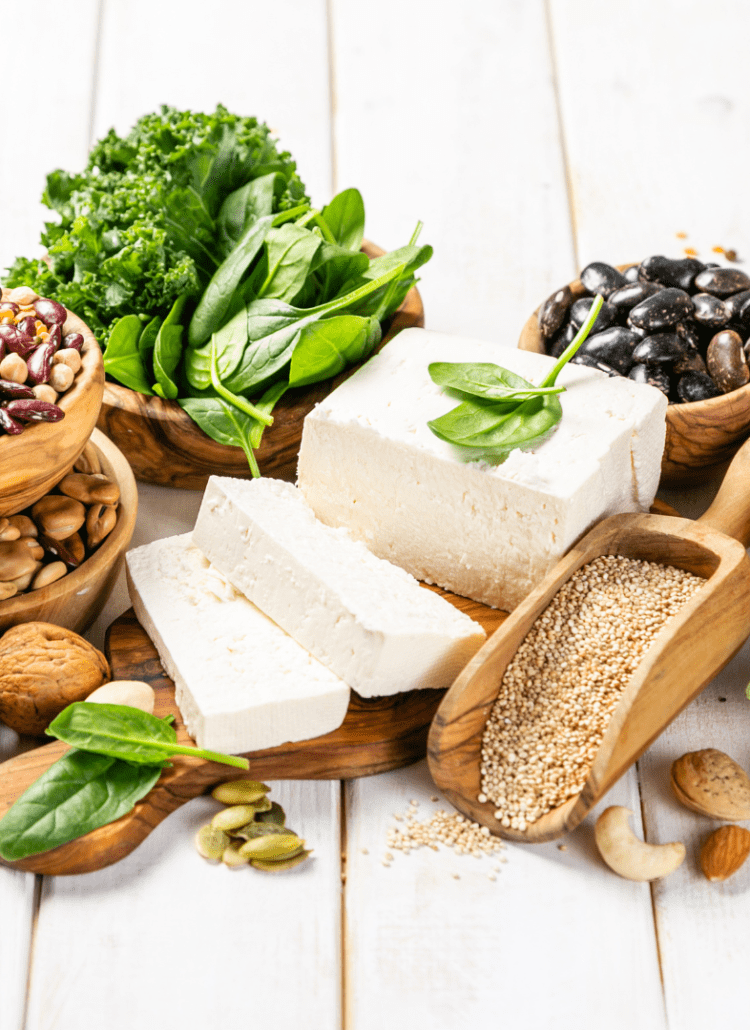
(451, 119)
(17, 893)
(557, 940)
(51, 100)
(703, 926)
(166, 939)
(657, 125)
(266, 60)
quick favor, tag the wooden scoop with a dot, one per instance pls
(688, 652)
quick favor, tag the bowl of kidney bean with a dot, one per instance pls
(51, 388)
(679, 325)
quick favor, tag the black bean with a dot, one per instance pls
(590, 362)
(662, 310)
(599, 277)
(613, 346)
(562, 340)
(694, 386)
(722, 281)
(710, 311)
(690, 362)
(679, 272)
(650, 376)
(726, 361)
(660, 349)
(689, 332)
(628, 296)
(579, 313)
(734, 305)
(552, 313)
(631, 274)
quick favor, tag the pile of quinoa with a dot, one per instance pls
(564, 682)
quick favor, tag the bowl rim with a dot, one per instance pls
(742, 393)
(116, 464)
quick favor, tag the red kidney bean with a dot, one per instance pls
(9, 424)
(40, 363)
(27, 326)
(34, 411)
(50, 312)
(16, 390)
(74, 340)
(55, 336)
(15, 341)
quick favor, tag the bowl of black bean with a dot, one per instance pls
(680, 325)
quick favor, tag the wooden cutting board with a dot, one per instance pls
(376, 735)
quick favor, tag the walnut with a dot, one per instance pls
(43, 669)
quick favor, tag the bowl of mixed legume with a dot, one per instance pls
(680, 325)
(51, 387)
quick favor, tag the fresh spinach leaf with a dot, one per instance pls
(167, 354)
(331, 268)
(243, 207)
(490, 426)
(345, 217)
(127, 733)
(213, 306)
(265, 405)
(78, 793)
(272, 329)
(327, 347)
(289, 254)
(122, 358)
(223, 423)
(483, 379)
(148, 340)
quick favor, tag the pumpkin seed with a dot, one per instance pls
(272, 846)
(240, 792)
(282, 864)
(211, 842)
(231, 818)
(232, 856)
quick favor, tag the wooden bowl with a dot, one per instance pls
(32, 462)
(76, 600)
(165, 446)
(700, 435)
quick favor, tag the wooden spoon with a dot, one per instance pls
(688, 652)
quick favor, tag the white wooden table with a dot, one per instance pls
(531, 138)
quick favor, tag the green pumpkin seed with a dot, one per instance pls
(282, 864)
(231, 818)
(240, 792)
(272, 846)
(275, 814)
(211, 842)
(232, 856)
(253, 830)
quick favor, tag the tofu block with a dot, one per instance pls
(242, 683)
(365, 619)
(369, 462)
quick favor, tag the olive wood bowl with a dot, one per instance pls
(165, 446)
(700, 435)
(32, 462)
(76, 600)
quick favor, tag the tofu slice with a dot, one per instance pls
(242, 683)
(365, 619)
(369, 462)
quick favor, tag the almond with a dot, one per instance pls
(712, 783)
(724, 851)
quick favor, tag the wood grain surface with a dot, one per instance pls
(166, 447)
(35, 460)
(688, 652)
(76, 600)
(700, 435)
(376, 735)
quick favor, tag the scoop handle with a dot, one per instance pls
(730, 510)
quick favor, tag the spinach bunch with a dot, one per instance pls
(140, 226)
(118, 754)
(294, 301)
(501, 411)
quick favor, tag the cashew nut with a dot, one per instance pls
(133, 693)
(627, 855)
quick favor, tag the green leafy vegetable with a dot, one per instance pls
(168, 351)
(503, 411)
(127, 733)
(345, 217)
(123, 359)
(76, 794)
(326, 348)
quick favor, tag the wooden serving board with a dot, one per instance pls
(376, 735)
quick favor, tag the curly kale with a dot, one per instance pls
(137, 228)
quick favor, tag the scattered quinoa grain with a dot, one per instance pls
(560, 689)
